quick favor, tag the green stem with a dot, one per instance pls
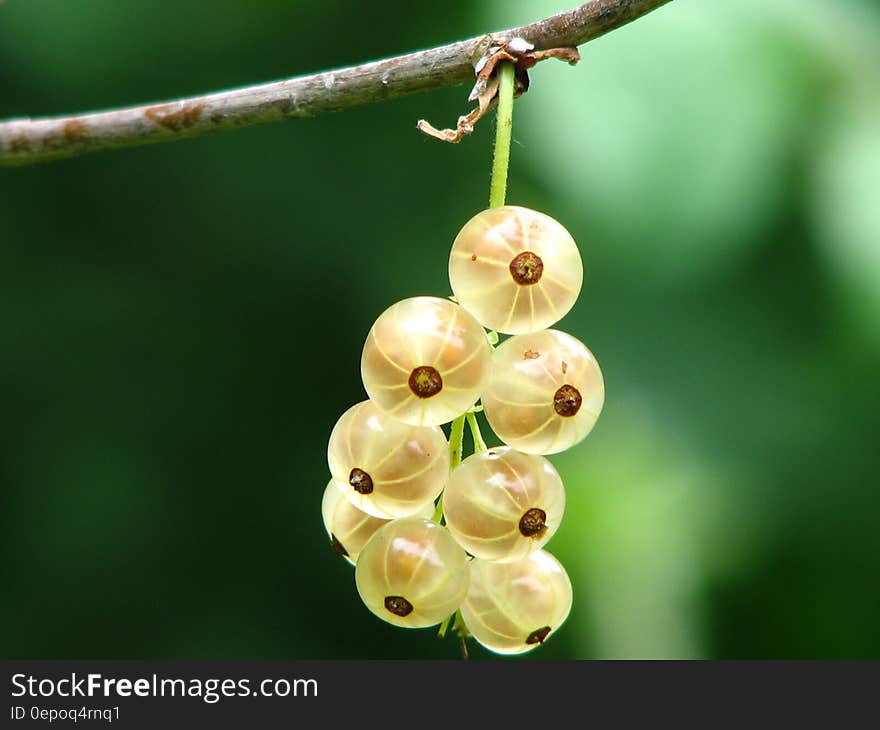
(438, 512)
(479, 443)
(459, 625)
(456, 441)
(444, 626)
(461, 629)
(456, 444)
(503, 130)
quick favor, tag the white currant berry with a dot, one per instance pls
(412, 573)
(385, 467)
(515, 269)
(501, 505)
(545, 392)
(425, 361)
(348, 527)
(511, 608)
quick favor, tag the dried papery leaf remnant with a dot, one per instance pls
(485, 92)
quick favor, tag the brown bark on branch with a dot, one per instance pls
(26, 141)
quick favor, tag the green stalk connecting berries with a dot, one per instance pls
(503, 135)
(479, 443)
(456, 441)
(441, 539)
(497, 197)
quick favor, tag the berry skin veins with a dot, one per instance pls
(412, 573)
(501, 505)
(545, 392)
(515, 269)
(384, 467)
(425, 361)
(348, 528)
(512, 608)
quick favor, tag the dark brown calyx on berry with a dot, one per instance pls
(425, 381)
(361, 481)
(526, 268)
(533, 522)
(338, 547)
(567, 401)
(399, 606)
(538, 635)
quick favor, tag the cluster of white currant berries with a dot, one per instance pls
(428, 361)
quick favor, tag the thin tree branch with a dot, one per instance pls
(26, 141)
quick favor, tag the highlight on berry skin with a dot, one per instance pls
(512, 608)
(545, 392)
(412, 573)
(385, 467)
(516, 270)
(347, 527)
(425, 361)
(501, 505)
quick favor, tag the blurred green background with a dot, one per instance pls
(181, 325)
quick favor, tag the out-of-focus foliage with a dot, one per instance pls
(180, 325)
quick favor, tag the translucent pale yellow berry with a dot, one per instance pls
(385, 467)
(515, 269)
(348, 527)
(501, 505)
(425, 361)
(412, 573)
(545, 392)
(511, 608)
